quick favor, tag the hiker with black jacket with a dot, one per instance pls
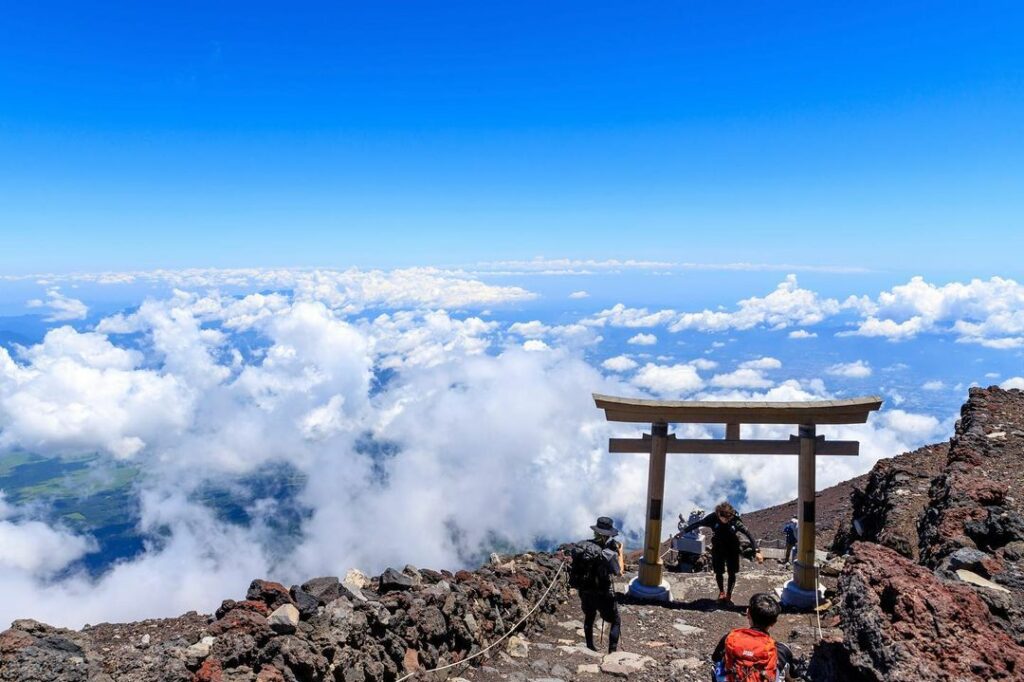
(594, 562)
(726, 526)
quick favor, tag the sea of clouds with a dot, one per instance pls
(479, 431)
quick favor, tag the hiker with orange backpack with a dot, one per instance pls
(750, 654)
(726, 526)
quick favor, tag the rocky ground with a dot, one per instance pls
(930, 586)
(659, 642)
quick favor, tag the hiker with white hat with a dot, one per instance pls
(789, 531)
(594, 562)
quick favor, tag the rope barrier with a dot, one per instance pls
(495, 642)
(817, 606)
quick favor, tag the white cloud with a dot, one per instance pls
(579, 295)
(621, 316)
(535, 345)
(858, 369)
(1013, 382)
(890, 329)
(534, 329)
(703, 363)
(643, 340)
(988, 312)
(787, 306)
(762, 363)
(78, 392)
(351, 290)
(35, 548)
(577, 266)
(802, 334)
(933, 385)
(668, 379)
(63, 308)
(573, 335)
(620, 363)
(742, 378)
(916, 427)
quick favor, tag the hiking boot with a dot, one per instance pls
(728, 599)
(721, 596)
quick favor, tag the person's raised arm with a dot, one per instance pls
(705, 522)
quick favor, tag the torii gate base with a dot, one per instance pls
(803, 591)
(638, 590)
(795, 597)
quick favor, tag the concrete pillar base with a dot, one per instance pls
(795, 597)
(661, 592)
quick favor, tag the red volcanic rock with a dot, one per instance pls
(210, 671)
(242, 621)
(13, 640)
(521, 581)
(901, 622)
(269, 674)
(270, 593)
(229, 605)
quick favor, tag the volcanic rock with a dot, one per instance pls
(284, 619)
(270, 593)
(889, 506)
(394, 580)
(901, 622)
(325, 589)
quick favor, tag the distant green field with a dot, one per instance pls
(92, 495)
(77, 493)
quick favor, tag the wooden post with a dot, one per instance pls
(651, 565)
(805, 574)
(732, 431)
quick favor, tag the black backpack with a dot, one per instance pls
(589, 569)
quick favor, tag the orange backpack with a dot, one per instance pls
(750, 656)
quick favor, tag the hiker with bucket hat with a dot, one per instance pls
(594, 562)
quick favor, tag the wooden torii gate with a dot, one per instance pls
(803, 589)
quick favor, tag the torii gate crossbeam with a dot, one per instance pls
(802, 590)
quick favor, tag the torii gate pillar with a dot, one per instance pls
(804, 591)
(650, 584)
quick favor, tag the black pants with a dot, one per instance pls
(721, 561)
(605, 604)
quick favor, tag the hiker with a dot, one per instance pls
(594, 562)
(750, 654)
(725, 525)
(789, 531)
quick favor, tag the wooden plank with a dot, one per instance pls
(847, 411)
(701, 446)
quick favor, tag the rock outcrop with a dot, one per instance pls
(326, 629)
(934, 589)
(902, 622)
(888, 507)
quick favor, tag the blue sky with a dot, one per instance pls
(886, 136)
